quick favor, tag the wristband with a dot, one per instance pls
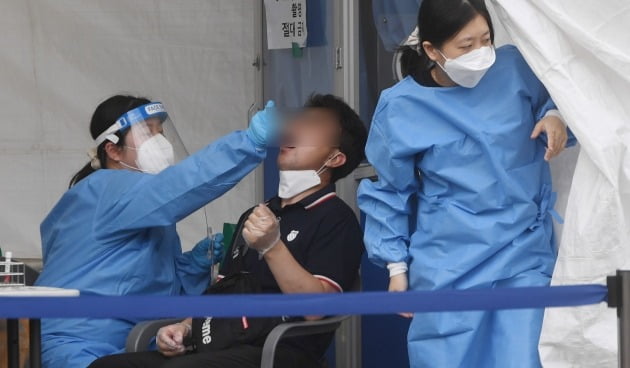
(262, 252)
(397, 268)
(556, 113)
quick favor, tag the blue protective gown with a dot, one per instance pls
(464, 196)
(114, 234)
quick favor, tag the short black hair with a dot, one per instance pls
(353, 132)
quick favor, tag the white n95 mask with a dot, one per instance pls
(294, 182)
(468, 69)
(155, 154)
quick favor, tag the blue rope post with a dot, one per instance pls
(619, 297)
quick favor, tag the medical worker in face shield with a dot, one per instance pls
(113, 232)
(463, 198)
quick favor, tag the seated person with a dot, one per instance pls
(306, 240)
(114, 232)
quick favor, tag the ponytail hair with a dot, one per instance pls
(438, 22)
(105, 116)
(413, 60)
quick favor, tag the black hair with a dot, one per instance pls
(105, 116)
(353, 132)
(438, 22)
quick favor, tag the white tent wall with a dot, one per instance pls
(562, 166)
(60, 58)
(580, 49)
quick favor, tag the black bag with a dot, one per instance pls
(211, 334)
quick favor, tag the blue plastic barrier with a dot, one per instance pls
(300, 304)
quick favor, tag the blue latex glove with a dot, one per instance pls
(201, 250)
(263, 128)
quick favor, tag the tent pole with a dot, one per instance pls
(619, 297)
(623, 313)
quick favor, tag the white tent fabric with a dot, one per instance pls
(562, 166)
(60, 58)
(580, 49)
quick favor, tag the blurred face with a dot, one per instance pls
(474, 35)
(309, 140)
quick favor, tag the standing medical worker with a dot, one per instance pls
(463, 197)
(113, 232)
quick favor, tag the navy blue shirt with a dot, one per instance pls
(323, 235)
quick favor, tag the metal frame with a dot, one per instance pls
(619, 297)
(142, 333)
(293, 329)
(13, 343)
(34, 359)
(346, 75)
(257, 64)
(346, 85)
(346, 82)
(140, 337)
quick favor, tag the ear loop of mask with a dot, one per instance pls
(446, 58)
(324, 167)
(442, 66)
(127, 165)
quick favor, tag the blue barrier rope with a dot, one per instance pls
(263, 305)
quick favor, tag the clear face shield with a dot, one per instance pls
(151, 142)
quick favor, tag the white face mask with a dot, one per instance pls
(154, 155)
(468, 69)
(294, 182)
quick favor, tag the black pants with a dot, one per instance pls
(244, 356)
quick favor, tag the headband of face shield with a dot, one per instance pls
(147, 129)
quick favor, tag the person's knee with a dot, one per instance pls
(173, 363)
(103, 362)
(183, 362)
(129, 360)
